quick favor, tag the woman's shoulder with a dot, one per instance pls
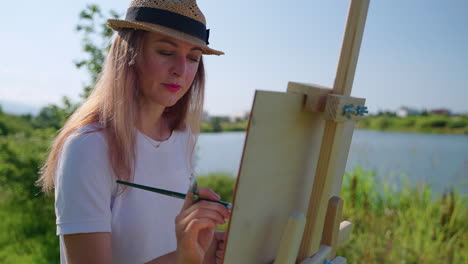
(84, 149)
(90, 128)
(88, 137)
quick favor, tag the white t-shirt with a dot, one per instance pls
(141, 222)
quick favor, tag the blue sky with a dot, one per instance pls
(414, 53)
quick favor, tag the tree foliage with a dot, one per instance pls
(55, 116)
(95, 41)
(27, 226)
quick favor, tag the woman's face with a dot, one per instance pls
(166, 69)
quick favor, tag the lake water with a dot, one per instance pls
(438, 160)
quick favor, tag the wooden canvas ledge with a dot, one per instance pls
(294, 157)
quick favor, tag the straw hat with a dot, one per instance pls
(180, 19)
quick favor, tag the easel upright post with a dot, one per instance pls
(274, 182)
(337, 136)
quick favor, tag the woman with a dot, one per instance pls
(139, 124)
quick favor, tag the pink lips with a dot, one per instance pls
(172, 87)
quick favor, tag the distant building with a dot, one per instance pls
(441, 111)
(406, 111)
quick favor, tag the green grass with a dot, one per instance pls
(390, 225)
(409, 225)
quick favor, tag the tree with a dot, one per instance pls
(54, 115)
(96, 42)
(216, 124)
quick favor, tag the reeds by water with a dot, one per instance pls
(409, 224)
(406, 224)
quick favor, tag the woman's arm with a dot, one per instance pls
(197, 241)
(96, 248)
(195, 231)
(88, 248)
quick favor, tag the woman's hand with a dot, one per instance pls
(215, 253)
(195, 226)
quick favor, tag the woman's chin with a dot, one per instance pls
(170, 103)
(167, 101)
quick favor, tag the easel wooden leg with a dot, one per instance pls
(332, 224)
(334, 234)
(291, 239)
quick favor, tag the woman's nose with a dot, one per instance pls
(179, 66)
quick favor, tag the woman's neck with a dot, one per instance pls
(152, 123)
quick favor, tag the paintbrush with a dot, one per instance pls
(172, 193)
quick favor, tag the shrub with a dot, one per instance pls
(438, 122)
(381, 123)
(433, 122)
(457, 123)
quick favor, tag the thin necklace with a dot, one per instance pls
(151, 141)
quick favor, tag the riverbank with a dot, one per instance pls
(393, 226)
(434, 124)
(409, 225)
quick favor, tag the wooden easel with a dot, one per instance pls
(286, 202)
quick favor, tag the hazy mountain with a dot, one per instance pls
(19, 108)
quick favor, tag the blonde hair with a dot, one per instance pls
(113, 104)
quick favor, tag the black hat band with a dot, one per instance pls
(169, 19)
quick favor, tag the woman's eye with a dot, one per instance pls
(165, 53)
(194, 59)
